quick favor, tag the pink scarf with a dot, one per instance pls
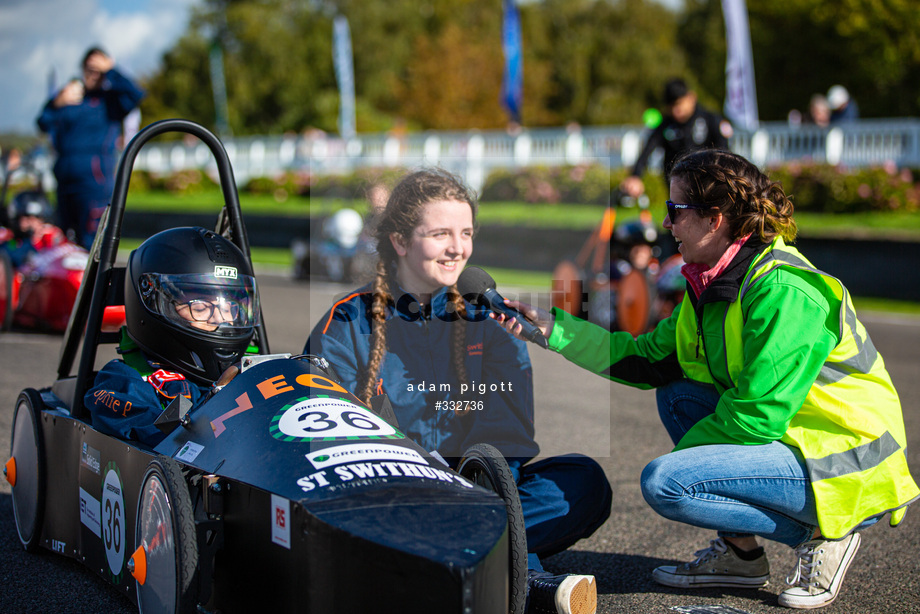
(700, 276)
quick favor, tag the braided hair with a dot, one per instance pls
(402, 215)
(749, 200)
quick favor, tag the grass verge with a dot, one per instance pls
(895, 225)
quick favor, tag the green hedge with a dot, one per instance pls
(816, 188)
(190, 181)
(583, 184)
(281, 187)
(820, 188)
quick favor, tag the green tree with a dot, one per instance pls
(437, 64)
(802, 47)
(277, 66)
(606, 61)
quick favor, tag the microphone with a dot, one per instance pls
(478, 287)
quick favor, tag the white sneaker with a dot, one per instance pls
(564, 594)
(819, 572)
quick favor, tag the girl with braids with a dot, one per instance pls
(785, 421)
(411, 336)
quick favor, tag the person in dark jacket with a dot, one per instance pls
(455, 378)
(686, 126)
(84, 120)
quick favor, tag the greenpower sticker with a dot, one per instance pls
(329, 419)
(349, 453)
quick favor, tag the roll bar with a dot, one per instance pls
(93, 295)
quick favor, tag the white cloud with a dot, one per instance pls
(38, 36)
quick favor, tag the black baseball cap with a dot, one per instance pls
(674, 90)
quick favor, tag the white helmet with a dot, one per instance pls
(837, 97)
(344, 227)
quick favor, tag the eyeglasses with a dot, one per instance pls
(202, 311)
(674, 207)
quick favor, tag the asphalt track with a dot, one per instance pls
(576, 412)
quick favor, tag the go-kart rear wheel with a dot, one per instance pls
(484, 465)
(633, 303)
(567, 292)
(166, 560)
(26, 468)
(6, 291)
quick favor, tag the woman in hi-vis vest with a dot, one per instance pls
(785, 421)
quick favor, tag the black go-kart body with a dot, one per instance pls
(282, 492)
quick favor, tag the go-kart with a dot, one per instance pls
(282, 492)
(617, 280)
(39, 293)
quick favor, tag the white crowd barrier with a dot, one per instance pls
(474, 154)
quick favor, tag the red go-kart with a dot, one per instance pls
(38, 294)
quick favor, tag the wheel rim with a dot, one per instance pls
(156, 534)
(480, 476)
(27, 490)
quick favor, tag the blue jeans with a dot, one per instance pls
(736, 490)
(564, 499)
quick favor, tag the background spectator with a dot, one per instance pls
(843, 107)
(685, 126)
(819, 112)
(84, 120)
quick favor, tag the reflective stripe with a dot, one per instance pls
(736, 332)
(861, 362)
(861, 458)
(787, 258)
(833, 371)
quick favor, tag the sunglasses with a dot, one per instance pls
(674, 207)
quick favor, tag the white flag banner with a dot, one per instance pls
(345, 75)
(740, 93)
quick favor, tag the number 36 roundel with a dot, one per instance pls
(329, 419)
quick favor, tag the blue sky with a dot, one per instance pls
(38, 36)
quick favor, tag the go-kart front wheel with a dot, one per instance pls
(25, 470)
(166, 560)
(485, 466)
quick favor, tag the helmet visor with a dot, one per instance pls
(203, 303)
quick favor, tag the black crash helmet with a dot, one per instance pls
(635, 233)
(30, 202)
(191, 301)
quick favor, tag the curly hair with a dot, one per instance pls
(403, 214)
(749, 200)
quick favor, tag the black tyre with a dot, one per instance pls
(484, 465)
(27, 452)
(6, 291)
(165, 538)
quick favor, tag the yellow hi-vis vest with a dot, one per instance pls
(850, 429)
